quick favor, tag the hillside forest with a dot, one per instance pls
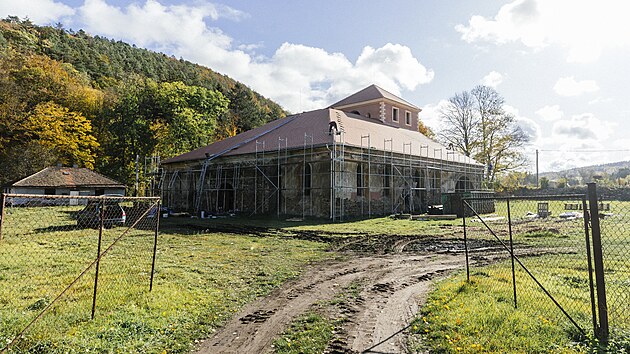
(71, 98)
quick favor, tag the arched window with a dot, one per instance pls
(464, 184)
(307, 179)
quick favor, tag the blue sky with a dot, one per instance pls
(561, 65)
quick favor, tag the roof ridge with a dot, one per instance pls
(33, 175)
(366, 95)
(102, 175)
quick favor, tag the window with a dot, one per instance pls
(49, 191)
(307, 179)
(407, 117)
(360, 181)
(394, 114)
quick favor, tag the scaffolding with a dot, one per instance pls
(336, 180)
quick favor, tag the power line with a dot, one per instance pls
(587, 151)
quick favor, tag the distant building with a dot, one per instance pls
(66, 181)
(362, 156)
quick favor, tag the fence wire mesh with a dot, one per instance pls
(49, 256)
(615, 235)
(553, 244)
(549, 245)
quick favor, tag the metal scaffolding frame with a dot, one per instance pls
(362, 180)
(307, 178)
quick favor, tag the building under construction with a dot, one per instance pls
(360, 157)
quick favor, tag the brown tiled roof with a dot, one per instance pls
(67, 177)
(298, 129)
(370, 93)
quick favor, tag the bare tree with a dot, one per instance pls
(476, 124)
(460, 123)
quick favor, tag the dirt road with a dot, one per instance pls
(388, 290)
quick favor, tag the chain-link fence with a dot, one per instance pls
(614, 221)
(64, 259)
(548, 275)
(547, 256)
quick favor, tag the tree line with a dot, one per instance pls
(72, 98)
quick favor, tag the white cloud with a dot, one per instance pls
(581, 128)
(550, 113)
(430, 114)
(38, 11)
(493, 79)
(579, 141)
(585, 28)
(599, 100)
(297, 76)
(154, 24)
(529, 126)
(568, 86)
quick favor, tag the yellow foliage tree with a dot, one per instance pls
(67, 133)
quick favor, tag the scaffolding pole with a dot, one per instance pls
(306, 163)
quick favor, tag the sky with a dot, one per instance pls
(561, 65)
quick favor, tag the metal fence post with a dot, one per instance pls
(98, 254)
(589, 261)
(512, 251)
(155, 240)
(598, 259)
(465, 240)
(4, 199)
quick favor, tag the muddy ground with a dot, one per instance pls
(388, 277)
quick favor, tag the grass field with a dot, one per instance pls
(201, 280)
(204, 276)
(479, 316)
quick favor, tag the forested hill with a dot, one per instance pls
(72, 98)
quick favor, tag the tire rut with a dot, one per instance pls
(392, 286)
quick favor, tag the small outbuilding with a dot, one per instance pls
(66, 181)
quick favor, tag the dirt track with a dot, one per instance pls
(390, 288)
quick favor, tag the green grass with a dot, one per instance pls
(201, 280)
(474, 317)
(309, 333)
(479, 316)
(313, 331)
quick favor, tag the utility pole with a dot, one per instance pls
(537, 185)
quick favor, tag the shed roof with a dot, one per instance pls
(67, 177)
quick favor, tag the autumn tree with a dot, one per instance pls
(512, 180)
(41, 115)
(69, 97)
(425, 130)
(66, 134)
(477, 124)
